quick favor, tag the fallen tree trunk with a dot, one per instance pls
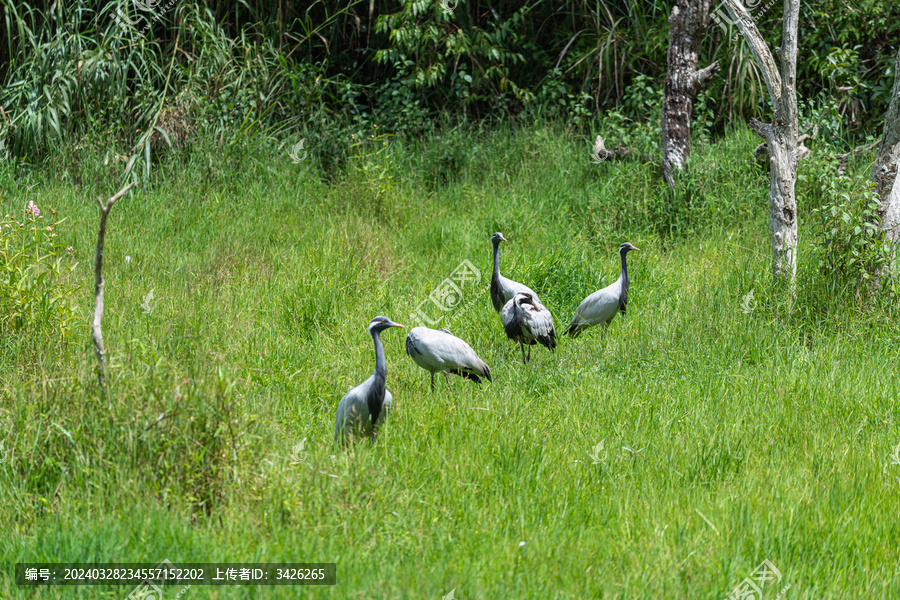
(602, 153)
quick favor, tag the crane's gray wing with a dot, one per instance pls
(385, 408)
(507, 313)
(510, 288)
(454, 352)
(460, 357)
(539, 322)
(511, 319)
(352, 413)
(599, 307)
(419, 344)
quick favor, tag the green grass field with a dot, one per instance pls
(667, 460)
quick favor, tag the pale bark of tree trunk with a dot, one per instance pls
(687, 25)
(97, 322)
(782, 134)
(885, 172)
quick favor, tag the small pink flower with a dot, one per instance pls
(33, 209)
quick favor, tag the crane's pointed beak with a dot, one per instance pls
(635, 248)
(398, 325)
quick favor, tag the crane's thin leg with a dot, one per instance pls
(447, 378)
(529, 353)
(432, 382)
(524, 360)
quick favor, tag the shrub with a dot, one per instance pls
(34, 292)
(850, 246)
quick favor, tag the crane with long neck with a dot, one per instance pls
(375, 397)
(365, 407)
(601, 306)
(503, 289)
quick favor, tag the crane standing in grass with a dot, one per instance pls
(601, 306)
(503, 289)
(440, 350)
(527, 321)
(365, 407)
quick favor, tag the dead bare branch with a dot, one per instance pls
(97, 325)
(602, 153)
(803, 152)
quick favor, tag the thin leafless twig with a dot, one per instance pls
(97, 326)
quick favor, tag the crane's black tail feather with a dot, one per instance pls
(466, 375)
(548, 341)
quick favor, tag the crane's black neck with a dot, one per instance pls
(496, 260)
(380, 362)
(376, 394)
(497, 297)
(624, 275)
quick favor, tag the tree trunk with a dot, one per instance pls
(687, 25)
(885, 172)
(781, 134)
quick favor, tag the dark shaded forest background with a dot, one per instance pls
(147, 76)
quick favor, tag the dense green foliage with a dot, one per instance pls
(34, 293)
(737, 422)
(109, 72)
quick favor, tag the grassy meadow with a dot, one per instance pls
(706, 432)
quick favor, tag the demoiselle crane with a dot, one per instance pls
(365, 407)
(438, 350)
(527, 321)
(503, 289)
(600, 307)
